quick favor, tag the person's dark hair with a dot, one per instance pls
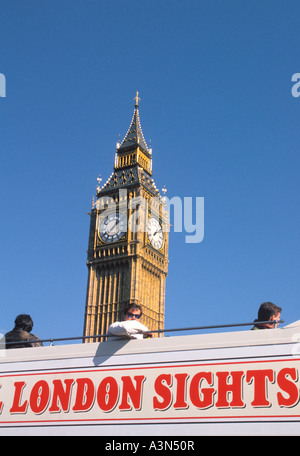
(24, 322)
(267, 310)
(132, 307)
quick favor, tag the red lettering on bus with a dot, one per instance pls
(180, 402)
(108, 393)
(288, 387)
(260, 378)
(39, 397)
(235, 387)
(62, 395)
(17, 407)
(202, 398)
(134, 393)
(163, 391)
(85, 395)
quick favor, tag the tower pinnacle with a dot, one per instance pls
(134, 136)
(137, 99)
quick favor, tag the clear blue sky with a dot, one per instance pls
(215, 85)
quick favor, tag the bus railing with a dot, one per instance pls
(103, 337)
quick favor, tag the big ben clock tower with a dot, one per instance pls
(127, 255)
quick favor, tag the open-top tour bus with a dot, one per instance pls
(231, 383)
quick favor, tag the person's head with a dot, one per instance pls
(24, 322)
(269, 312)
(132, 312)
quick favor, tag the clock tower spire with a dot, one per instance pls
(133, 150)
(127, 255)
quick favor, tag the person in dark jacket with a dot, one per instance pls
(20, 336)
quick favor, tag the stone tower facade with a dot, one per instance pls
(127, 255)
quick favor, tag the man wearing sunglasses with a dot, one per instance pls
(130, 327)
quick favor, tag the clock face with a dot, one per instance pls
(155, 233)
(112, 227)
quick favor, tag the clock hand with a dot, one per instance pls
(115, 225)
(117, 222)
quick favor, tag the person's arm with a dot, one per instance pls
(35, 341)
(129, 329)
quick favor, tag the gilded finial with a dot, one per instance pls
(99, 179)
(137, 99)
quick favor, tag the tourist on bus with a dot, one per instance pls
(130, 327)
(20, 336)
(269, 313)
